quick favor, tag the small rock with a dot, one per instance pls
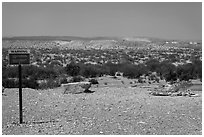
(76, 87)
(141, 122)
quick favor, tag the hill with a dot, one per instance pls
(53, 38)
(72, 42)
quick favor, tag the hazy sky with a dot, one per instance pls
(160, 20)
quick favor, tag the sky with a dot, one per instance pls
(123, 19)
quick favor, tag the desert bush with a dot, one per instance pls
(170, 76)
(133, 71)
(93, 81)
(140, 80)
(30, 83)
(46, 73)
(111, 68)
(32, 71)
(63, 80)
(153, 65)
(197, 69)
(10, 83)
(157, 80)
(53, 83)
(76, 79)
(91, 71)
(26, 83)
(129, 71)
(167, 71)
(72, 69)
(186, 72)
(10, 72)
(43, 85)
(49, 84)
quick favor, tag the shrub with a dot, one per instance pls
(52, 83)
(91, 71)
(30, 83)
(46, 73)
(170, 76)
(140, 80)
(63, 80)
(49, 84)
(157, 80)
(72, 69)
(112, 68)
(153, 64)
(167, 71)
(11, 72)
(76, 79)
(133, 71)
(186, 71)
(93, 81)
(10, 83)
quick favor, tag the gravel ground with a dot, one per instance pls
(106, 111)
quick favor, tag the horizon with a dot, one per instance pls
(90, 37)
(162, 20)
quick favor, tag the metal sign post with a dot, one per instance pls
(20, 95)
(18, 57)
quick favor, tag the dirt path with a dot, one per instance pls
(109, 110)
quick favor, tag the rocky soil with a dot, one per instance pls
(108, 110)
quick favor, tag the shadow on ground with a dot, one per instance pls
(35, 122)
(89, 91)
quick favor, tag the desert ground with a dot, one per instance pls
(114, 107)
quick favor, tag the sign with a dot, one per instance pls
(19, 56)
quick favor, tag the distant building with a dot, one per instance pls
(193, 43)
(174, 42)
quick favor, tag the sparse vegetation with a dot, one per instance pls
(139, 67)
(51, 61)
(164, 69)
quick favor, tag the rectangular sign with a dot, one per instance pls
(19, 56)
